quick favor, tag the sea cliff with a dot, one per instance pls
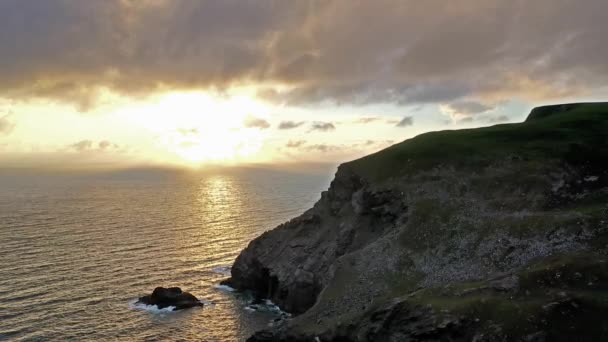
(488, 234)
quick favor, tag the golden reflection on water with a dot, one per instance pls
(221, 200)
(102, 243)
(208, 233)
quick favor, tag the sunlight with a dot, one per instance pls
(197, 127)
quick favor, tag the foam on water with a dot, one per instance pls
(135, 304)
(207, 302)
(150, 308)
(268, 306)
(224, 288)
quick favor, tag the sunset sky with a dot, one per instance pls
(118, 83)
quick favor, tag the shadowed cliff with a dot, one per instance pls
(488, 234)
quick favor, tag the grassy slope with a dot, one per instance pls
(556, 136)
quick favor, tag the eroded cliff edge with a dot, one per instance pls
(497, 233)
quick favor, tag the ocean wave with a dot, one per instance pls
(223, 270)
(150, 308)
(224, 288)
(206, 302)
(154, 309)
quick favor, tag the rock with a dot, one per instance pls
(172, 296)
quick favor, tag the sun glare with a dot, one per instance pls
(195, 128)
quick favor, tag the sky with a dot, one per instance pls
(195, 83)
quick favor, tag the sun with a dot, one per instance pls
(194, 128)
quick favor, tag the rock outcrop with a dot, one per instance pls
(170, 297)
(490, 234)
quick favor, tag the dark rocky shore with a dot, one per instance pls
(490, 234)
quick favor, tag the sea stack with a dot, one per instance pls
(170, 297)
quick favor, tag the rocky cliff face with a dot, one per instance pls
(498, 233)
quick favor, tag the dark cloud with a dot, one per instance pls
(407, 52)
(467, 119)
(466, 108)
(322, 126)
(6, 126)
(406, 121)
(290, 124)
(253, 122)
(362, 93)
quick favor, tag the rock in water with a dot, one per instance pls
(172, 296)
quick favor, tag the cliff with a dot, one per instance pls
(489, 234)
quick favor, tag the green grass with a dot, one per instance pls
(572, 135)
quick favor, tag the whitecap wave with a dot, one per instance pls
(224, 288)
(150, 308)
(206, 302)
(154, 309)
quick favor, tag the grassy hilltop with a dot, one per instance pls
(570, 133)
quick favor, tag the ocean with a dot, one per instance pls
(77, 250)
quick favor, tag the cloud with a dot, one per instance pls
(87, 145)
(411, 52)
(83, 145)
(6, 126)
(295, 143)
(290, 124)
(188, 131)
(322, 126)
(467, 108)
(466, 119)
(324, 148)
(104, 144)
(498, 119)
(366, 120)
(406, 121)
(253, 122)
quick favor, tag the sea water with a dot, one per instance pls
(77, 250)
